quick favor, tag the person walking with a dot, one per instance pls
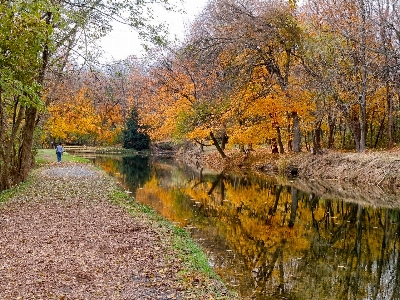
(59, 152)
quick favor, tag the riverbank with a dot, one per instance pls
(70, 232)
(371, 168)
(371, 178)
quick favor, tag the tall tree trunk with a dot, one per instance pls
(296, 132)
(379, 131)
(224, 140)
(332, 128)
(390, 116)
(384, 10)
(25, 161)
(3, 164)
(355, 129)
(363, 126)
(317, 137)
(363, 96)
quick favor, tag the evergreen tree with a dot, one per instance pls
(133, 138)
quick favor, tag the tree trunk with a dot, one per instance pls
(215, 142)
(25, 154)
(224, 140)
(363, 96)
(296, 132)
(317, 138)
(390, 116)
(363, 125)
(332, 127)
(387, 41)
(4, 168)
(279, 140)
(355, 129)
(379, 132)
(3, 163)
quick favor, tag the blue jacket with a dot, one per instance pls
(59, 149)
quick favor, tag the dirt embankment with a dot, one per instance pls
(370, 168)
(370, 178)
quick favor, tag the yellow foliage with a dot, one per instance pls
(77, 120)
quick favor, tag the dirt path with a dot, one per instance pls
(62, 239)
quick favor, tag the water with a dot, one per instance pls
(267, 238)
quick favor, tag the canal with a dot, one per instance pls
(267, 238)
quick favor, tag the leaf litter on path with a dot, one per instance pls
(62, 239)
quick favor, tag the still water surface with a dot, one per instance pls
(270, 240)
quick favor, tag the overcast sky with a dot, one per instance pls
(123, 42)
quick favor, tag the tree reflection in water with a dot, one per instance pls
(272, 240)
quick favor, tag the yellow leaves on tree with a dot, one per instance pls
(165, 100)
(255, 117)
(111, 123)
(73, 120)
(162, 118)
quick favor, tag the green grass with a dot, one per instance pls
(44, 156)
(191, 252)
(14, 191)
(192, 255)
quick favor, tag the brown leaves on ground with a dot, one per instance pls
(62, 239)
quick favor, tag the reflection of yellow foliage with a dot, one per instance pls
(161, 200)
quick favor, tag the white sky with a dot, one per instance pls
(122, 41)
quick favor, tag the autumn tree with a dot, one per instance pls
(110, 93)
(245, 51)
(387, 13)
(346, 33)
(167, 92)
(75, 120)
(22, 71)
(258, 71)
(55, 32)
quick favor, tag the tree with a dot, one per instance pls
(21, 77)
(262, 70)
(245, 51)
(350, 58)
(133, 135)
(38, 39)
(75, 120)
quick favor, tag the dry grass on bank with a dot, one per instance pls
(381, 168)
(372, 168)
